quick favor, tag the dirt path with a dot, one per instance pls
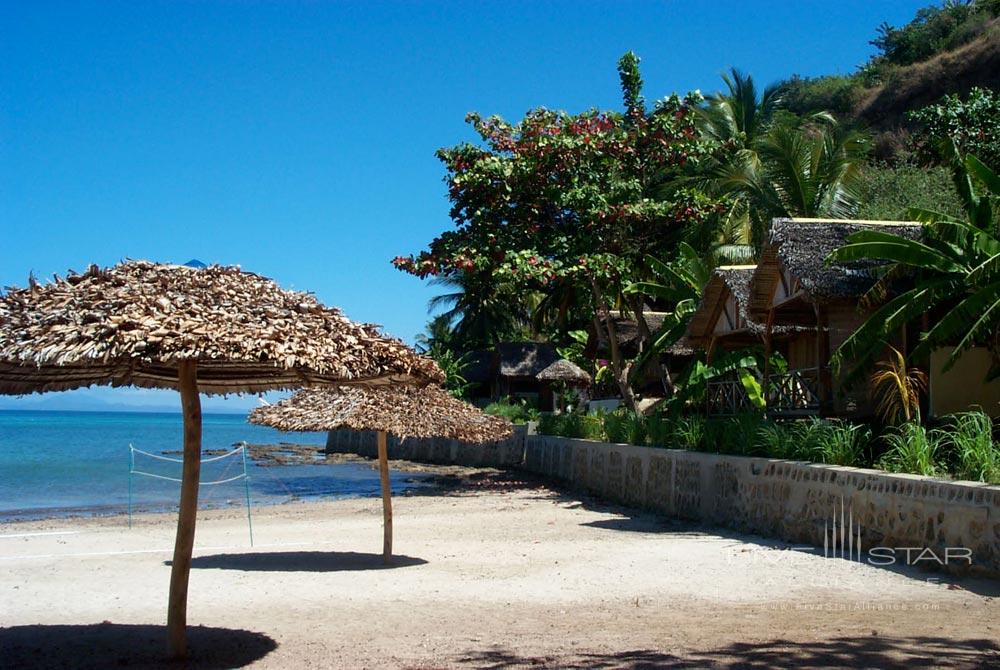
(521, 577)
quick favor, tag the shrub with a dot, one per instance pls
(572, 424)
(625, 427)
(839, 94)
(661, 429)
(977, 457)
(735, 435)
(839, 443)
(689, 433)
(887, 191)
(780, 440)
(515, 412)
(913, 449)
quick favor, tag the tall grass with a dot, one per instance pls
(977, 458)
(689, 433)
(839, 443)
(913, 449)
(625, 427)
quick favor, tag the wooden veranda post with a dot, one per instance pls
(383, 471)
(180, 568)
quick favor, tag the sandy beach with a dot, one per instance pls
(503, 574)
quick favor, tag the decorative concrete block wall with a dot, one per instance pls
(434, 450)
(782, 499)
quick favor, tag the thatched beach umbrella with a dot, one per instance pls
(215, 330)
(567, 372)
(424, 412)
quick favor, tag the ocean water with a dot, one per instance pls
(71, 463)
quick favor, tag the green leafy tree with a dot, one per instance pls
(954, 269)
(559, 200)
(973, 125)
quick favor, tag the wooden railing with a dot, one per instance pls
(726, 397)
(795, 393)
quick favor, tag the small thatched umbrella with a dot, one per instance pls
(566, 372)
(403, 411)
(215, 330)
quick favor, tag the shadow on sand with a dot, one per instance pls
(301, 561)
(863, 652)
(109, 645)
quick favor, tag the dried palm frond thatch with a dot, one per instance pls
(403, 411)
(133, 323)
(565, 371)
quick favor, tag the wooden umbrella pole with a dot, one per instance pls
(383, 471)
(180, 568)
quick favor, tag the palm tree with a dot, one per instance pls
(806, 169)
(775, 164)
(954, 269)
(480, 311)
(739, 117)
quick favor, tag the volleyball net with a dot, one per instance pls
(231, 466)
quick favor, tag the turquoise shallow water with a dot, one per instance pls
(69, 463)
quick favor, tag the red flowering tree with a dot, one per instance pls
(560, 198)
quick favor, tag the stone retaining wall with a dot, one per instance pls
(785, 499)
(434, 450)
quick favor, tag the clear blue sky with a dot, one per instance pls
(298, 139)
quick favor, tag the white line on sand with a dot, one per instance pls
(48, 532)
(152, 551)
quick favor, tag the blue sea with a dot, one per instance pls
(71, 463)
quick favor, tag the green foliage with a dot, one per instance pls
(564, 204)
(573, 424)
(934, 29)
(479, 311)
(888, 191)
(689, 432)
(838, 443)
(913, 449)
(625, 427)
(838, 94)
(976, 455)
(515, 412)
(452, 365)
(956, 271)
(972, 124)
(779, 440)
(734, 435)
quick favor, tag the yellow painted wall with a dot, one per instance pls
(963, 386)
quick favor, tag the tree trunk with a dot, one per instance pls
(617, 365)
(383, 472)
(646, 341)
(180, 568)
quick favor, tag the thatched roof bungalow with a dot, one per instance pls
(793, 287)
(721, 318)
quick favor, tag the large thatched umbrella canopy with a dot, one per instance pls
(214, 330)
(424, 412)
(565, 371)
(134, 324)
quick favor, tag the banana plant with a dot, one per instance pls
(954, 271)
(680, 284)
